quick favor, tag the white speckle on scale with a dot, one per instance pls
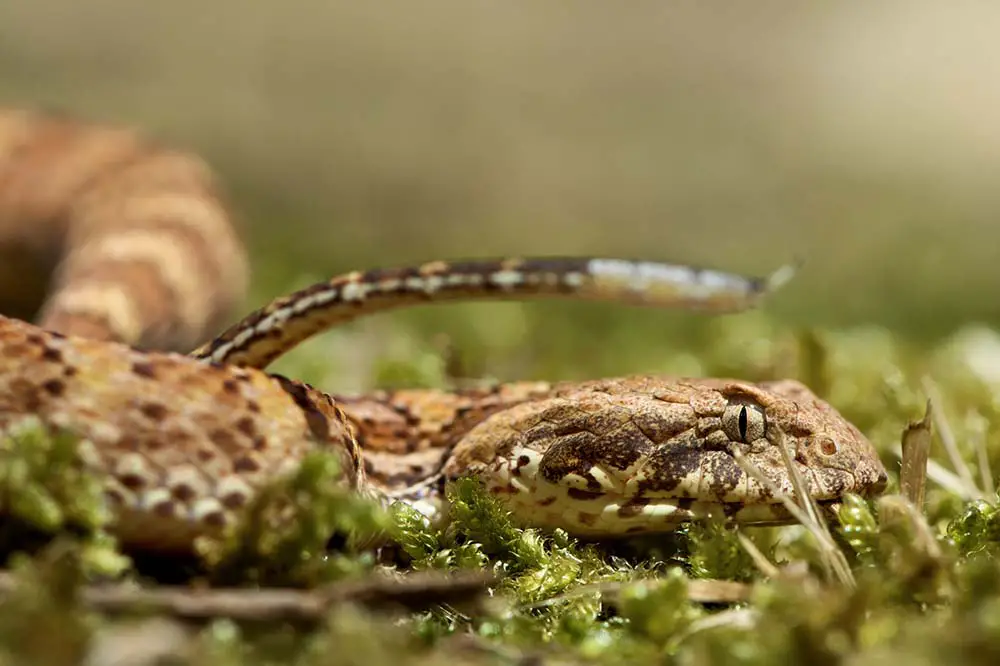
(506, 279)
(353, 291)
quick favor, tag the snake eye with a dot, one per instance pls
(744, 422)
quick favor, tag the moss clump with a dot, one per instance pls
(45, 488)
(43, 620)
(283, 537)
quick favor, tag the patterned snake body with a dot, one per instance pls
(185, 441)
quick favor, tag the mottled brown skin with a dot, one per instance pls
(114, 236)
(407, 435)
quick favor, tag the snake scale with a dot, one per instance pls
(137, 250)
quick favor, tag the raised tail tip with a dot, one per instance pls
(782, 276)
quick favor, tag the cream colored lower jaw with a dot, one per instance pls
(609, 516)
(602, 519)
(597, 519)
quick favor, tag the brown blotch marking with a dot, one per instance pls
(669, 465)
(52, 355)
(223, 438)
(578, 452)
(246, 425)
(259, 443)
(165, 509)
(20, 387)
(685, 503)
(231, 386)
(246, 464)
(160, 443)
(403, 409)
(635, 529)
(234, 500)
(54, 387)
(633, 508)
(69, 371)
(580, 494)
(154, 410)
(132, 481)
(730, 509)
(586, 518)
(214, 519)
(182, 492)
(253, 406)
(724, 473)
(548, 501)
(144, 369)
(128, 442)
(205, 455)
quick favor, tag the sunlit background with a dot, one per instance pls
(861, 139)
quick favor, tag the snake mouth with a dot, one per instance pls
(609, 517)
(624, 510)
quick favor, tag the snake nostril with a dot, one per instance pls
(828, 446)
(881, 481)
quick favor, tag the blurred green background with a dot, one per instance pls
(862, 139)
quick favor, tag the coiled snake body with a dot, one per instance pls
(184, 441)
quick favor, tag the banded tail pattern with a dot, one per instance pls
(266, 334)
(108, 235)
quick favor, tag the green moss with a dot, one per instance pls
(283, 536)
(45, 488)
(42, 620)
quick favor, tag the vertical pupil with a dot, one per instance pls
(743, 423)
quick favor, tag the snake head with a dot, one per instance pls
(645, 454)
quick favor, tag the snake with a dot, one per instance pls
(132, 250)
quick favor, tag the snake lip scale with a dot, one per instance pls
(147, 256)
